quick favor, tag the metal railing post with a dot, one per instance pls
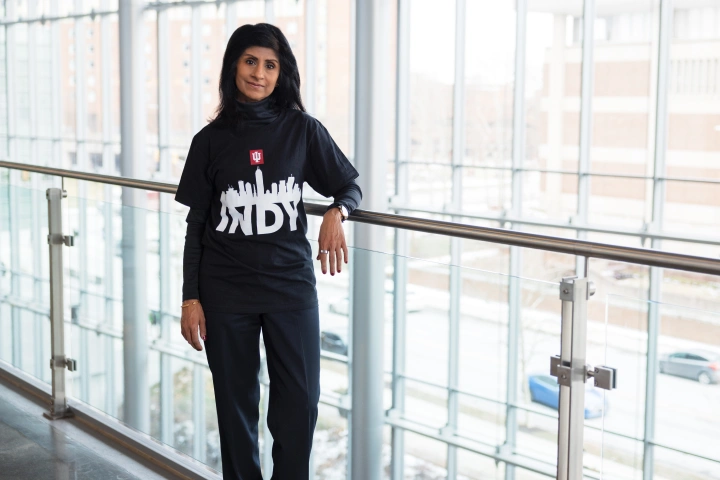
(571, 372)
(58, 361)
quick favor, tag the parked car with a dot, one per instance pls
(699, 365)
(545, 390)
(334, 341)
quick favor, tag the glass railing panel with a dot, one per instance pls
(24, 273)
(95, 324)
(616, 337)
(483, 358)
(6, 341)
(688, 391)
(483, 328)
(539, 322)
(183, 373)
(680, 415)
(331, 439)
(481, 419)
(330, 443)
(426, 403)
(424, 457)
(335, 327)
(482, 352)
(177, 378)
(673, 464)
(620, 342)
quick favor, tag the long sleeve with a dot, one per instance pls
(349, 196)
(196, 220)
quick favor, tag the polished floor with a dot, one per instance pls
(35, 448)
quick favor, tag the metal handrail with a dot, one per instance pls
(584, 248)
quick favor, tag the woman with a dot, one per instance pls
(247, 264)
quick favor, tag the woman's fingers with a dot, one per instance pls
(339, 258)
(332, 241)
(332, 257)
(195, 338)
(189, 326)
(203, 332)
(186, 328)
(333, 261)
(323, 257)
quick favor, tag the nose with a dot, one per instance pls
(259, 72)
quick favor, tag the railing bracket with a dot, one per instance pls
(60, 239)
(605, 377)
(64, 362)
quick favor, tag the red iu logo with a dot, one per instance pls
(256, 157)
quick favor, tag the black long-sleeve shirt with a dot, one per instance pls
(246, 247)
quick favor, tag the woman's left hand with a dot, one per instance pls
(332, 240)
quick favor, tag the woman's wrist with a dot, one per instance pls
(190, 302)
(334, 213)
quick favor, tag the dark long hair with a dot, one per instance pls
(287, 90)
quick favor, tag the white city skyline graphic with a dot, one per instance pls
(285, 193)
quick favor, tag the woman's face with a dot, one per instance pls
(257, 73)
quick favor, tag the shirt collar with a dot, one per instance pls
(257, 113)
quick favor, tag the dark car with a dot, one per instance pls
(699, 365)
(334, 341)
(545, 390)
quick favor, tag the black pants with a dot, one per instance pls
(292, 344)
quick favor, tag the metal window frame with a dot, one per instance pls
(458, 155)
(38, 320)
(585, 141)
(167, 418)
(14, 213)
(658, 205)
(368, 272)
(133, 148)
(400, 266)
(109, 168)
(515, 258)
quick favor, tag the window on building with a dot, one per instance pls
(96, 160)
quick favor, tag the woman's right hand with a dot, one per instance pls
(192, 320)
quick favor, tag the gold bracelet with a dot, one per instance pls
(185, 305)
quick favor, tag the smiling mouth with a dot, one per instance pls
(254, 85)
